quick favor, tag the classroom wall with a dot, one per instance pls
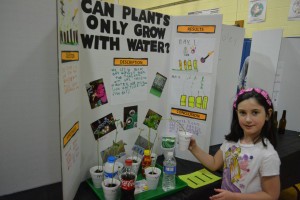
(232, 10)
(29, 106)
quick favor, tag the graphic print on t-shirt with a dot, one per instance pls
(235, 168)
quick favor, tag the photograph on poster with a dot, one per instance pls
(130, 117)
(116, 149)
(103, 126)
(96, 93)
(158, 85)
(152, 119)
(140, 145)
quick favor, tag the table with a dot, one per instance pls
(288, 149)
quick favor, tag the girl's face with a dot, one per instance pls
(252, 117)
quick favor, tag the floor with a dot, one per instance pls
(54, 192)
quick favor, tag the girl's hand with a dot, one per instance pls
(223, 195)
(192, 144)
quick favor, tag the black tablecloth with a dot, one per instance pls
(288, 149)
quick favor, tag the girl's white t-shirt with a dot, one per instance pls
(245, 164)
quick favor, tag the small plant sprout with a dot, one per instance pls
(115, 144)
(138, 143)
(98, 153)
(156, 133)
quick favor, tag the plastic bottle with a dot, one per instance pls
(169, 172)
(127, 181)
(146, 162)
(110, 169)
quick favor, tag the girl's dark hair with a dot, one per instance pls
(268, 130)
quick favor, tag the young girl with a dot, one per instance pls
(250, 163)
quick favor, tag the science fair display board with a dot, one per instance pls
(121, 64)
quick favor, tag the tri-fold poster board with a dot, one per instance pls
(121, 64)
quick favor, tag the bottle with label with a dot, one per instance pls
(127, 181)
(146, 162)
(169, 172)
(275, 122)
(282, 123)
(110, 170)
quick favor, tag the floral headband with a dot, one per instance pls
(257, 90)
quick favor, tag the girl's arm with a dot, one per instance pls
(270, 191)
(213, 163)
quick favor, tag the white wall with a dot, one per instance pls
(29, 106)
(289, 86)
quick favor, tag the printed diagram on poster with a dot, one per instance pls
(130, 117)
(158, 85)
(96, 93)
(128, 84)
(103, 126)
(257, 11)
(68, 22)
(294, 12)
(193, 55)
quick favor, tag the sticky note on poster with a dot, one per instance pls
(129, 80)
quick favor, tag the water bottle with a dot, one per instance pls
(110, 169)
(169, 172)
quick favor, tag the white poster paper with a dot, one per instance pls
(128, 84)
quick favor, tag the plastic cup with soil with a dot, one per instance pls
(111, 188)
(97, 176)
(136, 162)
(152, 177)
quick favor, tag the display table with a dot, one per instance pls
(288, 149)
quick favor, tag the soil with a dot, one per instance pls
(98, 171)
(111, 185)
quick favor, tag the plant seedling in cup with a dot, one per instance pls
(152, 122)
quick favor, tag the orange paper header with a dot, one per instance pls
(130, 61)
(68, 56)
(189, 114)
(71, 133)
(196, 29)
